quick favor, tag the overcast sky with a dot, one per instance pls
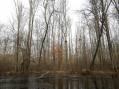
(7, 8)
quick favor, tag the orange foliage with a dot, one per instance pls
(57, 50)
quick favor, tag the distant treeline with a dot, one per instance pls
(41, 37)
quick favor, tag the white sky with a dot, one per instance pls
(7, 8)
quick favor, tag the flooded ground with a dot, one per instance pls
(66, 82)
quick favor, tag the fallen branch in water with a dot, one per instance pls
(44, 74)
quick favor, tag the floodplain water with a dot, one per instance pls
(64, 82)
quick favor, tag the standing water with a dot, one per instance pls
(66, 82)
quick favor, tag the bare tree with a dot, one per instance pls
(19, 27)
(103, 22)
(47, 19)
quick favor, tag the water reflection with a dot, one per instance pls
(69, 82)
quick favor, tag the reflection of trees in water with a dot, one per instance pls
(65, 83)
(19, 83)
(87, 83)
(115, 81)
(93, 82)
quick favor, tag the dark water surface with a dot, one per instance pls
(67, 82)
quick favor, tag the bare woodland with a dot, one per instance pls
(40, 37)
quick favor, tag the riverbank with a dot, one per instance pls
(62, 73)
